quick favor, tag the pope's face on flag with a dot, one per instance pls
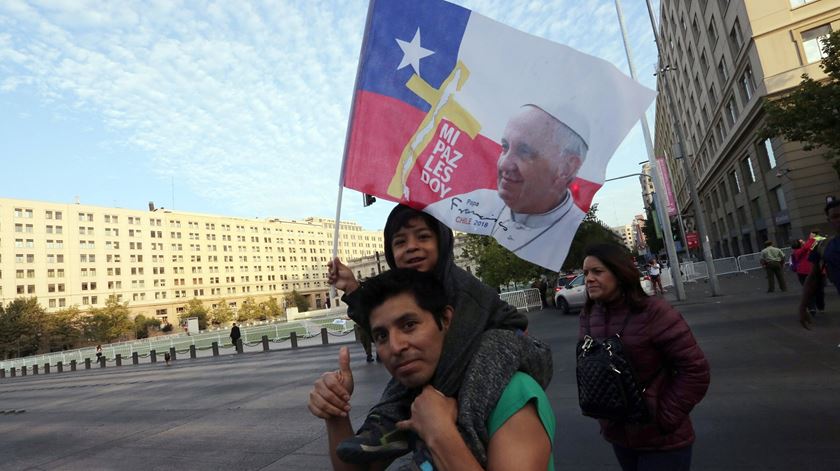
(535, 167)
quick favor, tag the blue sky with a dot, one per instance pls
(241, 107)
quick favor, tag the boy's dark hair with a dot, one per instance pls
(831, 205)
(427, 291)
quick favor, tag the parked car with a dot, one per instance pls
(572, 296)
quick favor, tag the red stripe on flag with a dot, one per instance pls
(583, 191)
(447, 166)
(381, 127)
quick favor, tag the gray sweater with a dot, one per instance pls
(484, 347)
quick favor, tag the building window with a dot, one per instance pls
(721, 131)
(723, 74)
(712, 95)
(736, 38)
(704, 61)
(812, 43)
(748, 171)
(713, 37)
(747, 85)
(731, 111)
(23, 213)
(799, 3)
(771, 156)
(695, 28)
(780, 198)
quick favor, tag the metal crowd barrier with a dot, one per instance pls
(725, 266)
(526, 299)
(693, 271)
(749, 262)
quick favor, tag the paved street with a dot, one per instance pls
(772, 404)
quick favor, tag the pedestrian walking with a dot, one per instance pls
(364, 339)
(234, 336)
(671, 371)
(802, 267)
(824, 257)
(771, 259)
(655, 272)
(98, 353)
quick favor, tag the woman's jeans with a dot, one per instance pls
(818, 301)
(665, 460)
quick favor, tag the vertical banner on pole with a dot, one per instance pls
(669, 189)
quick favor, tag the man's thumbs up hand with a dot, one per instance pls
(330, 396)
(344, 372)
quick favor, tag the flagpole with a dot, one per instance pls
(362, 51)
(658, 183)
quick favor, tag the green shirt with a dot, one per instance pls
(521, 390)
(772, 254)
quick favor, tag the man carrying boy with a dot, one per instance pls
(408, 317)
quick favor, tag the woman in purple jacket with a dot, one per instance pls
(664, 354)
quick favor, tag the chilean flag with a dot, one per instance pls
(436, 87)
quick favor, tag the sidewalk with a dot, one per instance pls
(745, 286)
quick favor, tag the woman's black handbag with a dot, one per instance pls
(607, 385)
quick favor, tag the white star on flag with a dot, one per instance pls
(413, 52)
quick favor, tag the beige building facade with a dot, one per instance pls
(724, 59)
(627, 236)
(78, 255)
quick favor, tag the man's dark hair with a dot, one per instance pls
(426, 290)
(831, 205)
(768, 243)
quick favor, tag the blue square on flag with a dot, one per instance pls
(432, 30)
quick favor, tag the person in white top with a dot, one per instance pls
(654, 270)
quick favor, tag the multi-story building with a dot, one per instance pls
(157, 260)
(627, 236)
(639, 239)
(723, 60)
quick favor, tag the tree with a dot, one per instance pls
(654, 243)
(142, 325)
(248, 311)
(810, 113)
(110, 322)
(272, 308)
(221, 314)
(499, 266)
(195, 308)
(591, 231)
(295, 299)
(65, 329)
(22, 328)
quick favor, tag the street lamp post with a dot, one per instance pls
(689, 172)
(658, 185)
